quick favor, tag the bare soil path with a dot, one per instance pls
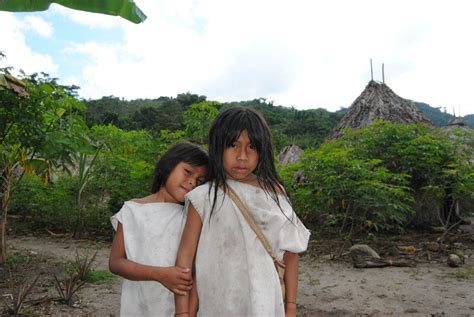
(326, 287)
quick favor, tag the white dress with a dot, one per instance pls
(151, 233)
(235, 276)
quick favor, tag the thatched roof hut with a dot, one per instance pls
(9, 82)
(458, 131)
(456, 123)
(378, 101)
(290, 154)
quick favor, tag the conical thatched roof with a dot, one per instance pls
(290, 154)
(456, 123)
(378, 101)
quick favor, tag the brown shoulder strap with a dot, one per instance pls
(248, 216)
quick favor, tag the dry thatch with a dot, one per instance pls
(378, 101)
(9, 82)
(456, 123)
(290, 154)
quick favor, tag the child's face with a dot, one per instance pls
(241, 159)
(182, 179)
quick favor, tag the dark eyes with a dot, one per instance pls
(188, 172)
(253, 147)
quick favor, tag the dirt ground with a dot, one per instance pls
(328, 283)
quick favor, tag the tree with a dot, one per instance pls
(188, 99)
(37, 133)
(198, 120)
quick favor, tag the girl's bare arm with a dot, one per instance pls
(176, 279)
(186, 254)
(291, 282)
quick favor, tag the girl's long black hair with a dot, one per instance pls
(183, 152)
(225, 130)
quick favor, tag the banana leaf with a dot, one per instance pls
(126, 9)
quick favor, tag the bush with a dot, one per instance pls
(344, 190)
(371, 177)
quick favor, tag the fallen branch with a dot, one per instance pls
(368, 262)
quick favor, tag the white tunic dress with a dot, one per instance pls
(235, 276)
(152, 233)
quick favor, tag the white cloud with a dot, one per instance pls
(38, 25)
(88, 19)
(18, 53)
(302, 53)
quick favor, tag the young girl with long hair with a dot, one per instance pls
(235, 275)
(148, 231)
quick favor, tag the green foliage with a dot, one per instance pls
(466, 274)
(37, 133)
(306, 128)
(369, 176)
(469, 120)
(16, 259)
(98, 277)
(416, 150)
(342, 189)
(124, 169)
(439, 117)
(124, 8)
(50, 205)
(198, 120)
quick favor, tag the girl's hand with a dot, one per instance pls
(178, 280)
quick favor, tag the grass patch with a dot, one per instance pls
(16, 258)
(99, 277)
(465, 275)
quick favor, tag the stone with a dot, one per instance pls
(454, 260)
(362, 250)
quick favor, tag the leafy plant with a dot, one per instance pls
(77, 271)
(15, 259)
(20, 290)
(82, 264)
(68, 287)
(371, 177)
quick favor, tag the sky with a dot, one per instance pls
(304, 54)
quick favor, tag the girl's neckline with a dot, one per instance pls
(154, 203)
(253, 186)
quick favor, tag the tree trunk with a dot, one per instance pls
(4, 209)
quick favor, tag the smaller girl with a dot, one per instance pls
(235, 275)
(148, 231)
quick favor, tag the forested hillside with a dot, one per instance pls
(81, 162)
(441, 118)
(307, 128)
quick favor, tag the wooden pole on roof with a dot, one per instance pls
(383, 74)
(371, 71)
